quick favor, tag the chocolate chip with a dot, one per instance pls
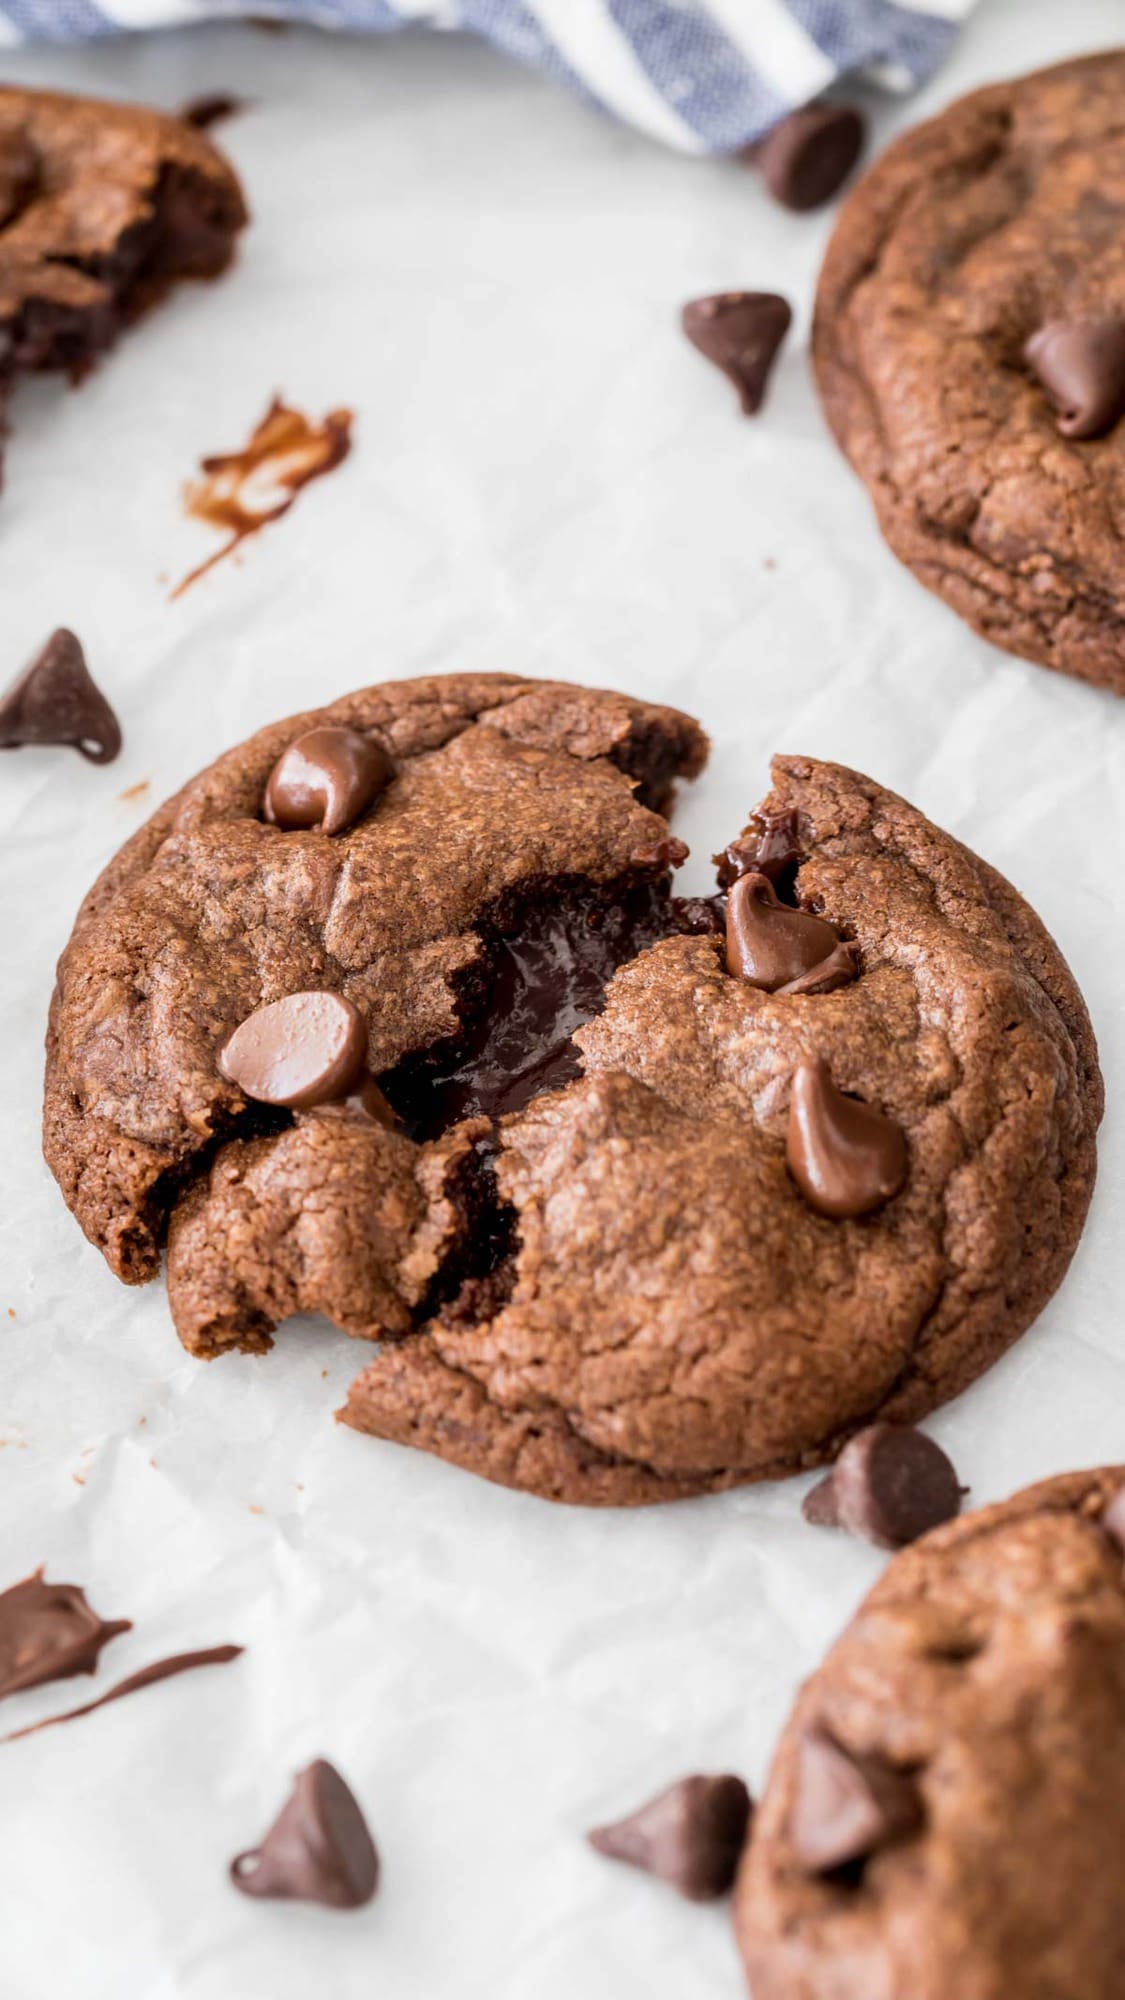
(847, 1808)
(48, 1632)
(846, 1157)
(781, 949)
(306, 1049)
(56, 701)
(807, 158)
(690, 1836)
(1081, 365)
(889, 1485)
(318, 1849)
(741, 333)
(770, 845)
(327, 778)
(365, 1105)
(1113, 1520)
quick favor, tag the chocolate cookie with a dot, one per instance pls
(944, 1809)
(969, 342)
(102, 207)
(642, 1196)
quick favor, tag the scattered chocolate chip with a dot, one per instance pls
(318, 1849)
(781, 949)
(770, 845)
(327, 778)
(1081, 365)
(48, 1632)
(741, 333)
(306, 1049)
(690, 1836)
(846, 1808)
(807, 158)
(56, 701)
(1113, 1520)
(889, 1485)
(214, 107)
(846, 1157)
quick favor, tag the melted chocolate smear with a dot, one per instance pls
(243, 491)
(160, 1670)
(549, 969)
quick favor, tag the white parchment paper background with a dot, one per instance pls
(546, 479)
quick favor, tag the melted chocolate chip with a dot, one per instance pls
(48, 1632)
(1081, 365)
(318, 1849)
(807, 158)
(741, 333)
(781, 949)
(306, 1049)
(770, 846)
(327, 778)
(690, 1836)
(889, 1485)
(846, 1157)
(56, 701)
(847, 1808)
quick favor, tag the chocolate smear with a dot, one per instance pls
(690, 1836)
(806, 158)
(741, 333)
(847, 1808)
(303, 1050)
(846, 1157)
(327, 778)
(1081, 365)
(318, 1849)
(48, 1632)
(160, 1670)
(241, 492)
(890, 1484)
(56, 701)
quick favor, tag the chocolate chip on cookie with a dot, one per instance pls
(741, 333)
(847, 1157)
(327, 778)
(770, 846)
(781, 949)
(808, 156)
(318, 1849)
(690, 1836)
(889, 1485)
(847, 1808)
(56, 701)
(1081, 364)
(305, 1049)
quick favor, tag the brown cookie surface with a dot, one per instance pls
(972, 235)
(102, 207)
(947, 1801)
(582, 1248)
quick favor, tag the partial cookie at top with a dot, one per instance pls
(1003, 216)
(946, 1808)
(102, 207)
(599, 1263)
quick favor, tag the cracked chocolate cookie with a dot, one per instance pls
(392, 1014)
(102, 207)
(944, 1809)
(969, 342)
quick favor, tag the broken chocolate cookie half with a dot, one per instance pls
(393, 1015)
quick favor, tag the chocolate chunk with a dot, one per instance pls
(770, 845)
(56, 701)
(48, 1632)
(807, 158)
(306, 1049)
(691, 1836)
(1081, 365)
(846, 1157)
(847, 1808)
(318, 1849)
(781, 949)
(741, 333)
(889, 1485)
(327, 778)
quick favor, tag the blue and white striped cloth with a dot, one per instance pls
(707, 76)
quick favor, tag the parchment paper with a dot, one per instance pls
(545, 478)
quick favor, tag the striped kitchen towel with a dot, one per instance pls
(708, 76)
